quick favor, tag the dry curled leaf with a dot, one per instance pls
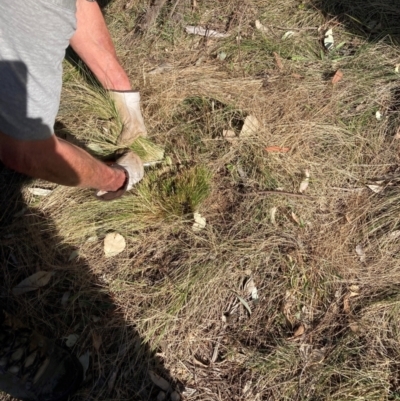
(297, 76)
(296, 218)
(346, 304)
(354, 288)
(114, 244)
(272, 212)
(361, 253)
(32, 283)
(354, 327)
(159, 381)
(278, 60)
(251, 290)
(305, 182)
(299, 331)
(337, 77)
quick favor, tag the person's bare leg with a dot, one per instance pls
(93, 43)
(60, 162)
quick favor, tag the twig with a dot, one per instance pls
(276, 193)
(173, 8)
(307, 28)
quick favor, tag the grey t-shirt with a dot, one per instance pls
(33, 37)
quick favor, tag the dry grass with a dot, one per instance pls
(176, 301)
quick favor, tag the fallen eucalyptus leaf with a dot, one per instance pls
(251, 290)
(199, 222)
(250, 126)
(40, 191)
(32, 283)
(188, 391)
(209, 33)
(296, 218)
(84, 359)
(375, 188)
(244, 303)
(287, 35)
(261, 27)
(328, 40)
(337, 77)
(114, 244)
(222, 56)
(71, 340)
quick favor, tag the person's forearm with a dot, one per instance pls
(93, 43)
(60, 162)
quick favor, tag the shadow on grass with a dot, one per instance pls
(374, 19)
(74, 302)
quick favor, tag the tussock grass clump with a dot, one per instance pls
(165, 195)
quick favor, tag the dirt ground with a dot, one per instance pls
(262, 252)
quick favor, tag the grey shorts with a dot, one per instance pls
(33, 37)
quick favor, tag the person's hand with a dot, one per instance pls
(133, 168)
(133, 165)
(127, 104)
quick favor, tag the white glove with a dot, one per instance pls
(128, 108)
(131, 164)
